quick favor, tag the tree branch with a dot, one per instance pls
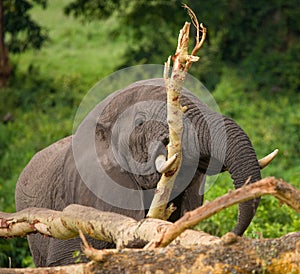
(268, 186)
(101, 225)
(199, 28)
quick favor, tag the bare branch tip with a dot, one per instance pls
(83, 239)
(185, 6)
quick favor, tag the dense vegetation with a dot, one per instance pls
(252, 81)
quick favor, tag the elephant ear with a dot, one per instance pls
(94, 177)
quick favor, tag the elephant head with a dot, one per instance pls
(130, 131)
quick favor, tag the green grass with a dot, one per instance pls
(75, 49)
(49, 84)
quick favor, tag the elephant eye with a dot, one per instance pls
(139, 121)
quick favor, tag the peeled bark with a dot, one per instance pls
(101, 225)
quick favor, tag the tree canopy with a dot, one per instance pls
(260, 38)
(18, 32)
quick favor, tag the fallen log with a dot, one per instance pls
(281, 255)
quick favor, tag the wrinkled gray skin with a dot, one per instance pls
(51, 179)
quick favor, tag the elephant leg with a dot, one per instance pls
(191, 198)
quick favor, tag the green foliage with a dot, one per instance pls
(147, 25)
(43, 112)
(20, 31)
(14, 253)
(77, 256)
(260, 37)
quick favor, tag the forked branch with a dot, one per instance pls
(284, 192)
(199, 29)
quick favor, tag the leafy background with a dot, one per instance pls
(250, 63)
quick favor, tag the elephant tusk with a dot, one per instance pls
(267, 159)
(162, 165)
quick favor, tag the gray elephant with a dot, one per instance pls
(109, 163)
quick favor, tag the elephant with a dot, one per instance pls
(110, 163)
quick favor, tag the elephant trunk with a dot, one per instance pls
(222, 145)
(242, 164)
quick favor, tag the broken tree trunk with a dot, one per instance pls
(191, 250)
(174, 85)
